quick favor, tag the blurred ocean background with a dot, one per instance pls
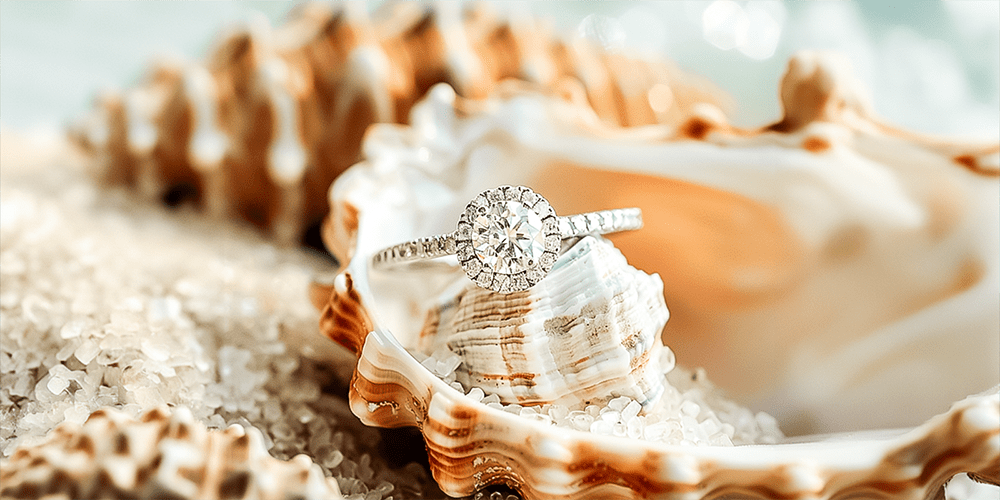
(931, 66)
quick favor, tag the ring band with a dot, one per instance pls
(508, 238)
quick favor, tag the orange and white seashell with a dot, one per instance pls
(830, 269)
(164, 454)
(265, 125)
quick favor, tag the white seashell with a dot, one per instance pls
(829, 268)
(589, 331)
(164, 454)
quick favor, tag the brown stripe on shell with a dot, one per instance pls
(344, 319)
(974, 165)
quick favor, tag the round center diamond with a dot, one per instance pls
(508, 238)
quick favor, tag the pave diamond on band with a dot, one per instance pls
(508, 238)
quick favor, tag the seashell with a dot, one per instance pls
(265, 125)
(588, 332)
(868, 254)
(166, 453)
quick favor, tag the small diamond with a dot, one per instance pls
(465, 252)
(501, 283)
(616, 219)
(565, 228)
(449, 245)
(543, 208)
(550, 225)
(519, 282)
(529, 198)
(472, 267)
(552, 242)
(547, 259)
(593, 222)
(485, 278)
(606, 219)
(464, 231)
(579, 224)
(534, 275)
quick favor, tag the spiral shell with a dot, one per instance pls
(163, 454)
(588, 332)
(265, 125)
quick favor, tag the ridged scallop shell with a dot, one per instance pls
(828, 267)
(588, 332)
(265, 125)
(164, 454)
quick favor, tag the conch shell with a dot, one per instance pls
(164, 454)
(830, 269)
(265, 125)
(589, 331)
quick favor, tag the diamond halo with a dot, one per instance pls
(507, 239)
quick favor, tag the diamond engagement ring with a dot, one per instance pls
(508, 238)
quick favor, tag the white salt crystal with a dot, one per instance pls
(634, 425)
(87, 351)
(528, 411)
(580, 420)
(558, 412)
(57, 384)
(690, 408)
(77, 413)
(619, 403)
(492, 398)
(710, 426)
(610, 415)
(212, 400)
(656, 432)
(37, 310)
(495, 406)
(22, 386)
(303, 414)
(476, 394)
(384, 488)
(728, 429)
(66, 351)
(593, 410)
(631, 410)
(619, 429)
(720, 439)
(458, 387)
(332, 458)
(163, 309)
(768, 425)
(72, 329)
(513, 408)
(431, 364)
(602, 427)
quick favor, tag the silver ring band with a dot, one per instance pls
(570, 226)
(508, 238)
